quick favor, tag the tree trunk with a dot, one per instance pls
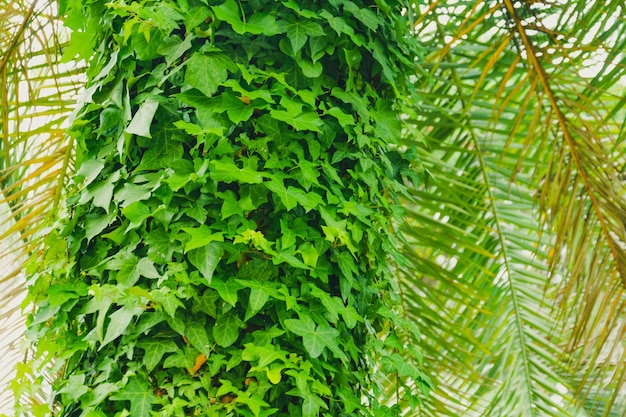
(231, 219)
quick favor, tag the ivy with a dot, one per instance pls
(229, 232)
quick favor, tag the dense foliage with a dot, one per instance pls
(227, 239)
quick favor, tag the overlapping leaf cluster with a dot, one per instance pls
(227, 239)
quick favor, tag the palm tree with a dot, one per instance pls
(515, 236)
(38, 92)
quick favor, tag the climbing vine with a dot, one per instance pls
(226, 248)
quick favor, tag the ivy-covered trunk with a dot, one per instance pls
(227, 239)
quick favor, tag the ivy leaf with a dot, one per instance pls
(129, 268)
(311, 405)
(315, 338)
(196, 333)
(366, 16)
(173, 47)
(236, 109)
(103, 194)
(131, 193)
(154, 350)
(289, 258)
(201, 236)
(264, 354)
(299, 30)
(230, 204)
(258, 298)
(307, 173)
(164, 148)
(258, 23)
(288, 235)
(119, 323)
(207, 72)
(89, 170)
(310, 69)
(309, 254)
(74, 387)
(254, 403)
(206, 259)
(277, 186)
(140, 396)
(142, 120)
(343, 118)
(307, 200)
(95, 223)
(338, 24)
(227, 328)
(168, 300)
(225, 170)
(303, 121)
(136, 212)
(160, 246)
(194, 16)
(227, 290)
(274, 373)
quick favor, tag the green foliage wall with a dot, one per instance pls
(226, 247)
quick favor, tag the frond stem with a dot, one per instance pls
(535, 62)
(505, 257)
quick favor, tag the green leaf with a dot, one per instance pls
(137, 213)
(343, 118)
(288, 236)
(227, 329)
(207, 72)
(307, 200)
(146, 268)
(129, 268)
(142, 120)
(265, 355)
(404, 368)
(95, 223)
(366, 16)
(103, 194)
(89, 171)
(154, 349)
(311, 405)
(303, 121)
(230, 204)
(289, 258)
(254, 403)
(315, 338)
(74, 387)
(309, 254)
(168, 300)
(131, 193)
(140, 395)
(201, 236)
(258, 23)
(119, 322)
(227, 289)
(236, 109)
(277, 186)
(298, 31)
(173, 47)
(258, 298)
(274, 373)
(164, 148)
(198, 336)
(310, 69)
(225, 170)
(206, 259)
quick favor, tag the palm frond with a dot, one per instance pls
(518, 235)
(38, 92)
